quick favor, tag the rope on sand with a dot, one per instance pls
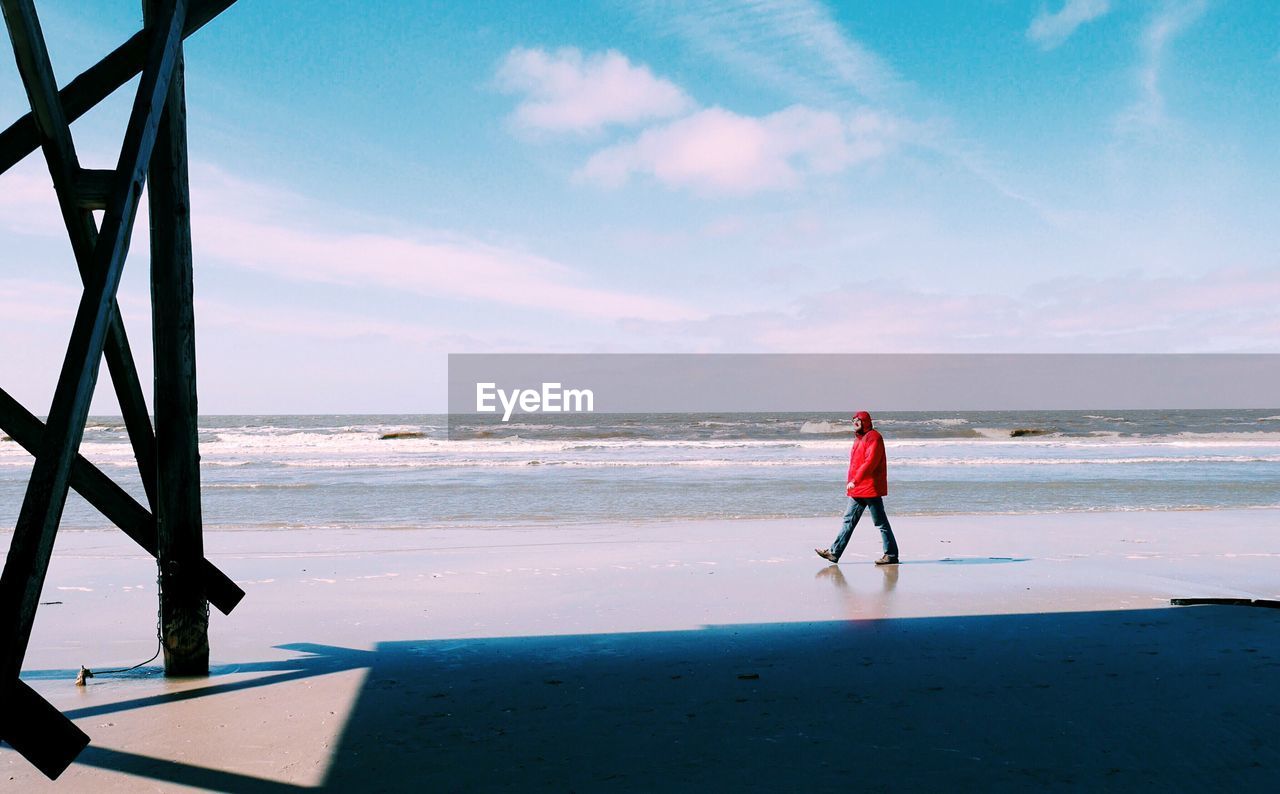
(82, 678)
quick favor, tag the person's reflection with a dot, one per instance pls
(890, 577)
(872, 607)
(833, 574)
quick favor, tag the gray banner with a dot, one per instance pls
(658, 383)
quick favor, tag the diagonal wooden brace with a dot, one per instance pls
(113, 501)
(97, 83)
(45, 737)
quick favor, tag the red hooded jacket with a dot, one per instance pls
(868, 469)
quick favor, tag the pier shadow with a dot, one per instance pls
(1181, 698)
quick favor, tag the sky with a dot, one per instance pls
(381, 184)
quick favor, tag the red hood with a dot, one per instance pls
(866, 420)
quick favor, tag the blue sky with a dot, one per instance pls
(373, 189)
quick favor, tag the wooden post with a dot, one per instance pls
(32, 726)
(28, 562)
(184, 609)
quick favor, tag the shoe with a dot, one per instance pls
(887, 560)
(826, 555)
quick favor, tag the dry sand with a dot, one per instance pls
(1006, 652)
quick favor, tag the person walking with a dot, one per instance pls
(868, 484)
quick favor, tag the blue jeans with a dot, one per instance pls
(856, 505)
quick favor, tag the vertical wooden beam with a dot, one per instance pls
(184, 610)
(32, 544)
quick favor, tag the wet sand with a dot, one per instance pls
(1005, 652)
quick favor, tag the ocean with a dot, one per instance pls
(384, 471)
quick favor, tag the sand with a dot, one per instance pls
(1006, 652)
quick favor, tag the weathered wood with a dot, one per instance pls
(93, 188)
(133, 406)
(184, 612)
(45, 737)
(112, 501)
(64, 168)
(28, 561)
(97, 83)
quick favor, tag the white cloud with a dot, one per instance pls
(1148, 110)
(1051, 29)
(718, 151)
(566, 91)
(801, 48)
(709, 150)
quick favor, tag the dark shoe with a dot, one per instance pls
(887, 560)
(826, 555)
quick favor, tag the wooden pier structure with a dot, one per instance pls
(154, 154)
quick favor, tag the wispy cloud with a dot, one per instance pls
(1148, 110)
(567, 91)
(322, 324)
(278, 233)
(1223, 311)
(252, 226)
(718, 151)
(28, 204)
(1051, 29)
(795, 45)
(25, 300)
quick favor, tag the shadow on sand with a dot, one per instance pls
(1184, 698)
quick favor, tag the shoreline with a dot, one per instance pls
(344, 634)
(558, 524)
